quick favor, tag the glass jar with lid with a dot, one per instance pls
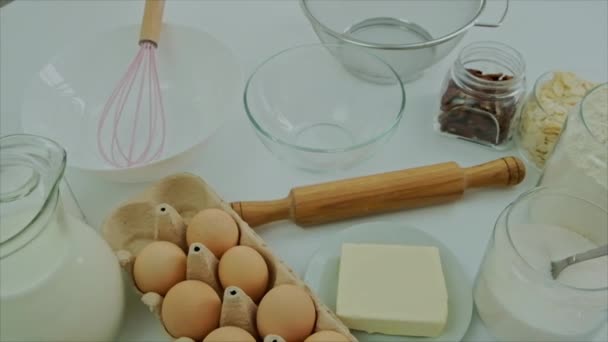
(482, 94)
(59, 280)
(579, 162)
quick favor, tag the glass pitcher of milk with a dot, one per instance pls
(59, 281)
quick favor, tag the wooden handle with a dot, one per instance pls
(501, 172)
(260, 212)
(152, 21)
(385, 192)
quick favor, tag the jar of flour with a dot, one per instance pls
(579, 163)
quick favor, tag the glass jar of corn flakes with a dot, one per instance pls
(544, 113)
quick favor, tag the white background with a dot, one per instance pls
(566, 35)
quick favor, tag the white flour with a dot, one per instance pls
(521, 304)
(580, 160)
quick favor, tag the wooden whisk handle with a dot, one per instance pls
(397, 190)
(152, 21)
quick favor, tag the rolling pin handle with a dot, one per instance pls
(506, 171)
(260, 212)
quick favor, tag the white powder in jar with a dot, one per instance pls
(517, 300)
(580, 160)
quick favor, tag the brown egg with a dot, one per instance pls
(158, 267)
(229, 334)
(327, 336)
(287, 311)
(215, 229)
(244, 267)
(191, 309)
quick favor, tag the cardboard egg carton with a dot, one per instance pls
(162, 212)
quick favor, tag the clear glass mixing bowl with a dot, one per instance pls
(319, 112)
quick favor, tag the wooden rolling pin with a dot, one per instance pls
(385, 192)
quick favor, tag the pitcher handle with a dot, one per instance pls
(502, 19)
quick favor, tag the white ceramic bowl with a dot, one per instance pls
(200, 80)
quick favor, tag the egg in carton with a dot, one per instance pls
(162, 213)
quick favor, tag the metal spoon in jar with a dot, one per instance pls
(558, 266)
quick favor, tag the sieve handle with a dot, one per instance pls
(152, 21)
(502, 19)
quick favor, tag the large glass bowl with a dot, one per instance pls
(318, 112)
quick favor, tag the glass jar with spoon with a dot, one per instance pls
(515, 293)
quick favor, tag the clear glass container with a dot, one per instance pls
(515, 295)
(536, 142)
(59, 280)
(313, 107)
(579, 162)
(481, 95)
(544, 113)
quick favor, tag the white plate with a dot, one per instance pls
(322, 275)
(200, 80)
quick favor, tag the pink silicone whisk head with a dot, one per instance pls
(131, 128)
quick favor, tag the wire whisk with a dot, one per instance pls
(132, 127)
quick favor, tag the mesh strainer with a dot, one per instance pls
(411, 35)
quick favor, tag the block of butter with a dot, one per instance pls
(392, 289)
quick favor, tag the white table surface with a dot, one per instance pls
(550, 34)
